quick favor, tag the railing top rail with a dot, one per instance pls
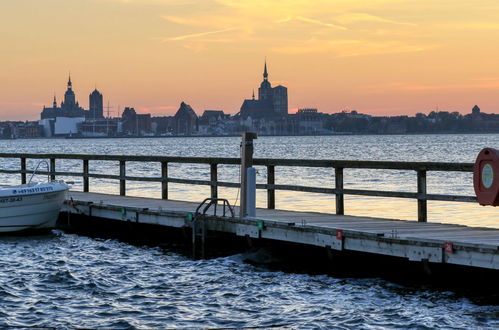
(368, 164)
(360, 164)
(130, 158)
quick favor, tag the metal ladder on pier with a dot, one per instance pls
(198, 224)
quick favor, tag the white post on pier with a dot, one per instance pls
(246, 162)
(251, 192)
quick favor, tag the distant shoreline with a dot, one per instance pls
(238, 135)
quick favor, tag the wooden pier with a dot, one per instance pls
(415, 241)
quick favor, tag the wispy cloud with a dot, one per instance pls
(197, 35)
(379, 47)
(349, 18)
(313, 46)
(351, 47)
(205, 20)
(294, 27)
(299, 7)
(311, 21)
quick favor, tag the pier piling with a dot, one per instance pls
(246, 162)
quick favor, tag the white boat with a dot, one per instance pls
(31, 206)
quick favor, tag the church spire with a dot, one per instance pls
(55, 102)
(253, 94)
(70, 84)
(265, 90)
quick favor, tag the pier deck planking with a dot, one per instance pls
(435, 242)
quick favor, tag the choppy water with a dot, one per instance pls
(65, 280)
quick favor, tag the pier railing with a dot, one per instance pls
(421, 168)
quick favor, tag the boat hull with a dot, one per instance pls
(24, 211)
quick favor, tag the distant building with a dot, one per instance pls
(212, 116)
(69, 107)
(212, 122)
(135, 124)
(7, 130)
(28, 130)
(309, 121)
(101, 127)
(67, 126)
(162, 126)
(185, 120)
(280, 100)
(95, 104)
(256, 109)
(48, 126)
(476, 115)
(272, 103)
(307, 112)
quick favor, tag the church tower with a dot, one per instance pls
(69, 96)
(272, 103)
(265, 90)
(96, 105)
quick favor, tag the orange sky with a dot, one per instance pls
(384, 57)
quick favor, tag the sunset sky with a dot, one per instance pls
(381, 57)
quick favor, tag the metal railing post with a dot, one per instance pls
(23, 170)
(164, 177)
(122, 178)
(85, 176)
(340, 201)
(422, 201)
(214, 179)
(52, 169)
(270, 191)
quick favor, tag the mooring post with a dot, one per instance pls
(246, 162)
(23, 170)
(85, 176)
(422, 205)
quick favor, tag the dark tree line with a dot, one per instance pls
(434, 122)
